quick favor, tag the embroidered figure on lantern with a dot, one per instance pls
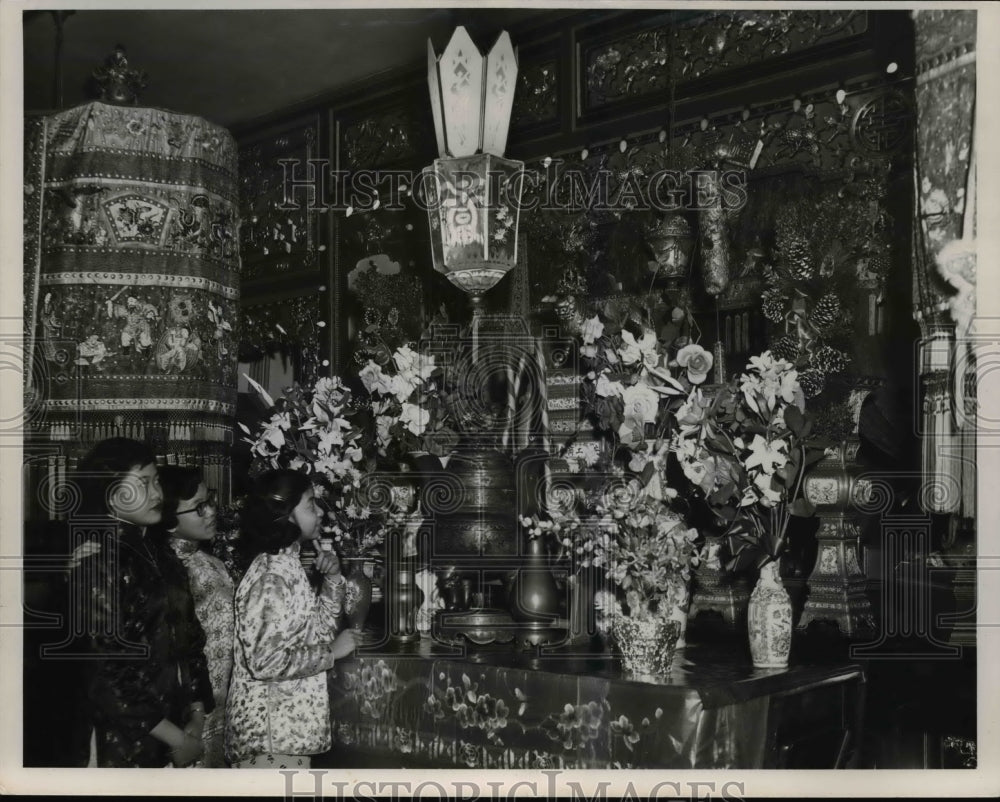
(221, 327)
(91, 352)
(51, 325)
(137, 333)
(179, 349)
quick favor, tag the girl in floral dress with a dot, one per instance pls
(147, 683)
(286, 633)
(189, 510)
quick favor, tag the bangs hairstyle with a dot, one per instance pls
(106, 465)
(264, 523)
(178, 484)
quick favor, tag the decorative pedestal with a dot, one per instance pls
(836, 587)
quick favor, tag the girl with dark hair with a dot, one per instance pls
(286, 633)
(189, 510)
(147, 683)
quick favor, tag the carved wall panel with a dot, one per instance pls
(641, 63)
(280, 237)
(541, 89)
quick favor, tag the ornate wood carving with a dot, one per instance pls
(295, 324)
(275, 240)
(397, 135)
(537, 97)
(638, 64)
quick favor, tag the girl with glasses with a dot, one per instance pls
(188, 525)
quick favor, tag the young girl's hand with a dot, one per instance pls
(187, 751)
(328, 563)
(343, 644)
(86, 549)
(195, 726)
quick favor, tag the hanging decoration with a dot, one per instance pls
(944, 253)
(137, 294)
(473, 193)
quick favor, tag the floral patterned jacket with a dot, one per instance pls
(212, 590)
(278, 698)
(146, 645)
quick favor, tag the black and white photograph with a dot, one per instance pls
(498, 400)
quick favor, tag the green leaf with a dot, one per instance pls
(802, 508)
(813, 455)
(807, 427)
(794, 419)
(720, 444)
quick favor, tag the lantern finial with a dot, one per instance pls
(471, 95)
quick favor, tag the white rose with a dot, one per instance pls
(591, 330)
(641, 402)
(414, 418)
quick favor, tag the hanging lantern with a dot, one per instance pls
(671, 241)
(473, 194)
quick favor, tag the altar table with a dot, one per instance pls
(424, 708)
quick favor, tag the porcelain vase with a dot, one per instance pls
(769, 620)
(647, 645)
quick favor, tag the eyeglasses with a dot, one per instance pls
(210, 502)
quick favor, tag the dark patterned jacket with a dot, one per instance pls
(146, 660)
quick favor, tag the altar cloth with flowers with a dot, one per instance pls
(426, 709)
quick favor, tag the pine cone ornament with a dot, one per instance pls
(785, 347)
(826, 312)
(812, 382)
(827, 359)
(798, 260)
(773, 305)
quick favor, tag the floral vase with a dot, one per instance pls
(534, 596)
(647, 645)
(769, 620)
(357, 594)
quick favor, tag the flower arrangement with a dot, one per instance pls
(630, 351)
(745, 452)
(646, 550)
(423, 406)
(405, 403)
(324, 432)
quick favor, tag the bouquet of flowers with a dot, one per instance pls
(746, 451)
(646, 550)
(326, 433)
(640, 364)
(405, 403)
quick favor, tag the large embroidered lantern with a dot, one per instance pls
(473, 193)
(133, 275)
